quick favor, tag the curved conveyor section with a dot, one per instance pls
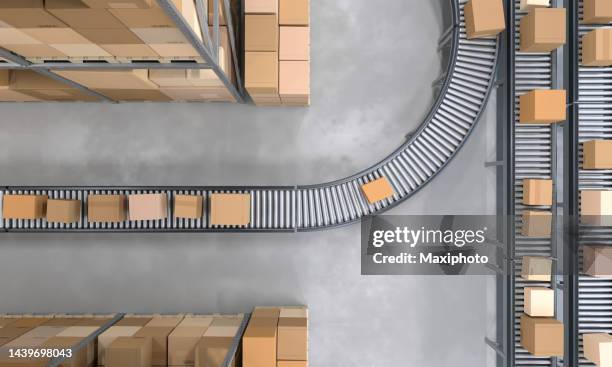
(469, 79)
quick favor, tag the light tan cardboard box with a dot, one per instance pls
(292, 339)
(597, 154)
(184, 338)
(77, 15)
(596, 207)
(261, 7)
(484, 18)
(536, 223)
(598, 348)
(536, 268)
(542, 107)
(129, 352)
(110, 335)
(542, 336)
(597, 47)
(230, 209)
(537, 192)
(294, 44)
(294, 12)
(543, 30)
(212, 351)
(261, 32)
(539, 301)
(259, 342)
(106, 208)
(188, 206)
(28, 14)
(63, 211)
(159, 342)
(597, 11)
(110, 79)
(261, 73)
(597, 261)
(378, 190)
(148, 206)
(24, 206)
(120, 4)
(527, 5)
(294, 82)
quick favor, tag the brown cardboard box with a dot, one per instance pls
(292, 364)
(129, 352)
(4, 322)
(121, 36)
(194, 94)
(29, 322)
(174, 50)
(169, 78)
(45, 88)
(39, 50)
(294, 82)
(140, 95)
(537, 192)
(536, 268)
(110, 79)
(13, 332)
(261, 73)
(261, 32)
(106, 208)
(44, 331)
(378, 190)
(597, 47)
(159, 342)
(539, 302)
(77, 15)
(154, 17)
(266, 100)
(543, 30)
(259, 343)
(598, 348)
(133, 321)
(211, 351)
(133, 51)
(165, 321)
(78, 359)
(148, 206)
(120, 4)
(63, 211)
(85, 50)
(484, 18)
(154, 35)
(265, 313)
(597, 11)
(542, 107)
(536, 223)
(110, 335)
(294, 44)
(25, 342)
(294, 312)
(597, 154)
(184, 338)
(14, 36)
(8, 95)
(230, 209)
(57, 36)
(527, 5)
(541, 336)
(27, 14)
(292, 339)
(188, 206)
(597, 261)
(596, 207)
(24, 206)
(261, 7)
(294, 12)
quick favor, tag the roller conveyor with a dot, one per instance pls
(469, 78)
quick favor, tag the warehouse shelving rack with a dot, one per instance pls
(207, 49)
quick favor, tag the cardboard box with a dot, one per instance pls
(537, 192)
(263, 100)
(25, 342)
(78, 331)
(174, 50)
(265, 313)
(122, 36)
(259, 343)
(536, 223)
(527, 5)
(154, 35)
(130, 95)
(224, 327)
(377, 190)
(261, 73)
(13, 332)
(597, 47)
(87, 50)
(165, 321)
(14, 36)
(542, 107)
(294, 311)
(148, 206)
(596, 207)
(292, 339)
(159, 342)
(110, 79)
(120, 4)
(45, 88)
(294, 12)
(54, 36)
(129, 352)
(261, 32)
(536, 268)
(133, 321)
(77, 15)
(183, 340)
(541, 336)
(598, 348)
(44, 331)
(133, 51)
(484, 18)
(597, 154)
(169, 78)
(539, 301)
(294, 44)
(292, 364)
(80, 358)
(543, 30)
(8, 95)
(154, 17)
(106, 208)
(597, 261)
(261, 7)
(109, 336)
(212, 351)
(597, 11)
(63, 211)
(194, 94)
(39, 50)
(230, 209)
(188, 206)
(294, 81)
(24, 206)
(27, 14)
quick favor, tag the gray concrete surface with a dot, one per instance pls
(372, 67)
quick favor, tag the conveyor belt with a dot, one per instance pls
(469, 78)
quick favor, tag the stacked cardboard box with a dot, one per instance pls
(596, 207)
(292, 337)
(44, 88)
(597, 47)
(484, 18)
(212, 349)
(543, 30)
(597, 261)
(597, 11)
(597, 348)
(9, 95)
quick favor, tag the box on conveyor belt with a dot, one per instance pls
(597, 11)
(230, 209)
(184, 338)
(597, 154)
(45, 88)
(543, 106)
(80, 358)
(120, 4)
(260, 338)
(294, 12)
(539, 301)
(77, 15)
(294, 82)
(261, 6)
(598, 348)
(28, 14)
(484, 18)
(597, 47)
(110, 335)
(63, 211)
(261, 32)
(596, 207)
(24, 206)
(261, 73)
(188, 206)
(106, 208)
(377, 190)
(536, 223)
(527, 5)
(536, 268)
(542, 336)
(537, 192)
(543, 30)
(294, 44)
(148, 206)
(130, 352)
(597, 261)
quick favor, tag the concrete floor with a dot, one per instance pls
(372, 69)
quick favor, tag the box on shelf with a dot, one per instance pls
(261, 32)
(536, 223)
(63, 211)
(542, 336)
(539, 301)
(129, 352)
(260, 339)
(36, 51)
(543, 30)
(106, 208)
(294, 12)
(120, 4)
(596, 207)
(597, 154)
(212, 351)
(77, 15)
(109, 336)
(67, 41)
(261, 6)
(119, 42)
(148, 206)
(230, 209)
(597, 47)
(536, 268)
(199, 94)
(133, 321)
(188, 206)
(24, 206)
(597, 11)
(183, 340)
(8, 95)
(484, 18)
(261, 73)
(134, 95)
(28, 14)
(597, 348)
(597, 261)
(377, 190)
(537, 192)
(294, 82)
(294, 44)
(543, 106)
(159, 342)
(527, 5)
(110, 79)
